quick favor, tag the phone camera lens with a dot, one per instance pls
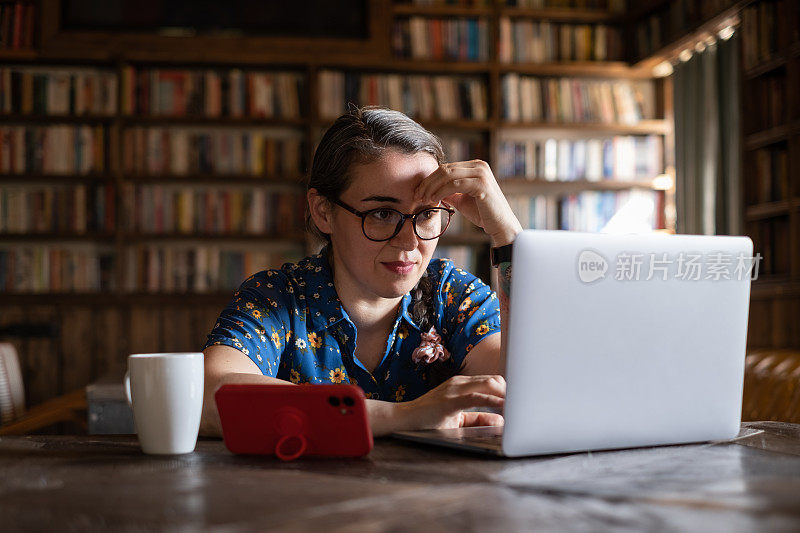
(349, 401)
(334, 401)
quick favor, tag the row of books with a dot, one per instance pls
(222, 151)
(570, 100)
(212, 93)
(461, 39)
(419, 96)
(160, 209)
(535, 212)
(56, 269)
(17, 25)
(463, 147)
(463, 257)
(196, 269)
(526, 41)
(768, 169)
(61, 209)
(618, 158)
(634, 211)
(58, 91)
(766, 102)
(61, 149)
(610, 5)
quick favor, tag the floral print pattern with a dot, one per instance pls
(290, 322)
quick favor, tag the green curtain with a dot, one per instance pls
(707, 142)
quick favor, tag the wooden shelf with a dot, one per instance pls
(114, 298)
(55, 237)
(675, 43)
(431, 66)
(770, 287)
(440, 10)
(657, 127)
(275, 240)
(768, 210)
(773, 135)
(765, 67)
(563, 15)
(465, 124)
(599, 69)
(213, 121)
(216, 179)
(20, 54)
(521, 185)
(60, 119)
(70, 179)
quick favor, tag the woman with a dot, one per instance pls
(372, 308)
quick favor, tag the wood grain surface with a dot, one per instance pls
(71, 483)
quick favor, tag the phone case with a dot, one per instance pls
(292, 421)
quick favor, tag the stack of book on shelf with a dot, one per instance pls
(58, 91)
(623, 158)
(178, 151)
(17, 25)
(59, 149)
(69, 210)
(212, 210)
(54, 268)
(419, 96)
(212, 93)
(461, 39)
(527, 41)
(195, 268)
(632, 211)
(570, 100)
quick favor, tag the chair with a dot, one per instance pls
(14, 419)
(772, 386)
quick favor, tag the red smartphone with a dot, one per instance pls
(291, 421)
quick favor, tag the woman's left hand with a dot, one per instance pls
(470, 187)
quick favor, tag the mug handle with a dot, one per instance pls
(127, 380)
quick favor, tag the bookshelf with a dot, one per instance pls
(771, 139)
(179, 152)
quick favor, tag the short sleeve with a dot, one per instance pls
(256, 320)
(471, 311)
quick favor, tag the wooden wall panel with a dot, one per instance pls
(41, 359)
(759, 329)
(78, 335)
(145, 330)
(110, 344)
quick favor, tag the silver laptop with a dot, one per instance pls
(619, 341)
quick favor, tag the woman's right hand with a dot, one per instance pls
(444, 407)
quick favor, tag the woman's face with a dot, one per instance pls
(386, 269)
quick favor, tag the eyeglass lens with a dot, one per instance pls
(382, 224)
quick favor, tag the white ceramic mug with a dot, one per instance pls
(165, 391)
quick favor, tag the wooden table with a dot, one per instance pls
(71, 483)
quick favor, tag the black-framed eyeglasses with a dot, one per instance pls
(383, 223)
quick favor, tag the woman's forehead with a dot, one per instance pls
(393, 169)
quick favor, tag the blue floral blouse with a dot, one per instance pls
(291, 323)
